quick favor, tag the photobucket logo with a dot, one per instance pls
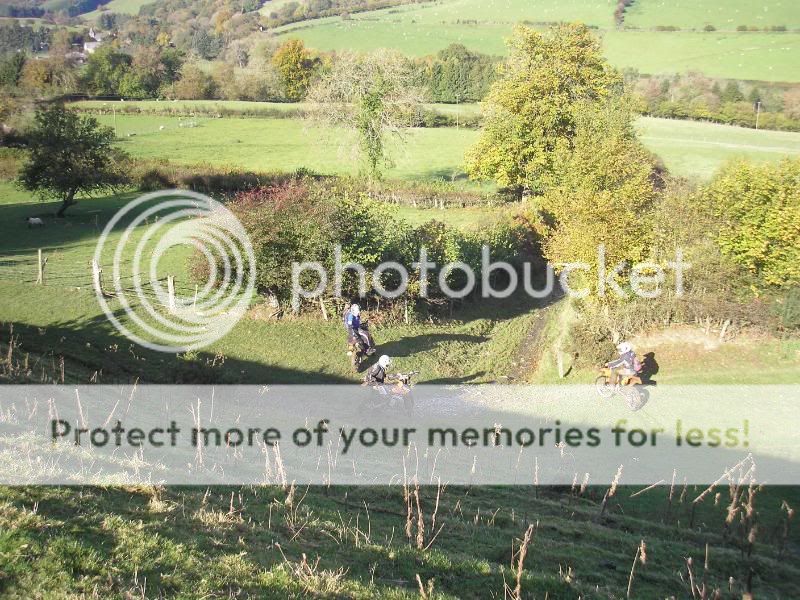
(156, 314)
(575, 279)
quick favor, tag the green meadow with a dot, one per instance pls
(728, 15)
(125, 7)
(423, 29)
(688, 148)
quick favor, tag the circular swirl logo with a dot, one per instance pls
(154, 229)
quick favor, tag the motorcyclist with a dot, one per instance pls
(377, 374)
(625, 365)
(355, 329)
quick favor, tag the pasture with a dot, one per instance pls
(418, 30)
(689, 148)
(727, 15)
(125, 7)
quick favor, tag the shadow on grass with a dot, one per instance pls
(82, 223)
(94, 352)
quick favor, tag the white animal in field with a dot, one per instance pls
(161, 128)
(34, 222)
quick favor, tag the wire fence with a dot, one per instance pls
(50, 268)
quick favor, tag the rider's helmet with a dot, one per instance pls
(384, 361)
(624, 347)
(355, 310)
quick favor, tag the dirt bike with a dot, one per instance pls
(399, 393)
(357, 349)
(630, 388)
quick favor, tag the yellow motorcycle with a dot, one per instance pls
(629, 387)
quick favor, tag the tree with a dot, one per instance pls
(105, 71)
(194, 84)
(371, 95)
(530, 111)
(69, 154)
(295, 66)
(11, 69)
(601, 191)
(732, 93)
(36, 76)
(791, 103)
(759, 211)
(205, 45)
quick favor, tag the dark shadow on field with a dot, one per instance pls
(82, 222)
(451, 175)
(649, 368)
(456, 380)
(95, 352)
(411, 345)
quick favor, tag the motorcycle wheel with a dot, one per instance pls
(603, 386)
(633, 397)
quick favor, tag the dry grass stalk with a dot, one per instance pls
(425, 591)
(641, 556)
(519, 567)
(611, 491)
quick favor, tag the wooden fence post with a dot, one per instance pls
(724, 330)
(97, 277)
(171, 292)
(559, 362)
(41, 263)
(322, 306)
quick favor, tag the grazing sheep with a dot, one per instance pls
(34, 222)
(161, 128)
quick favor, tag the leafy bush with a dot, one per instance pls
(303, 220)
(759, 211)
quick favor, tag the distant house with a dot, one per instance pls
(97, 37)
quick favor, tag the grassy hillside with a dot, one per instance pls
(126, 7)
(426, 28)
(64, 318)
(691, 149)
(727, 14)
(268, 542)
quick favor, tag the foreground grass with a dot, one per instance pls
(351, 543)
(688, 148)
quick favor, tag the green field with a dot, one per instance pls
(125, 7)
(695, 14)
(694, 149)
(688, 148)
(423, 29)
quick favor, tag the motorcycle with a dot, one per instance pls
(399, 393)
(630, 388)
(357, 348)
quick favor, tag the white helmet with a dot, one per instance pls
(624, 347)
(384, 361)
(355, 310)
